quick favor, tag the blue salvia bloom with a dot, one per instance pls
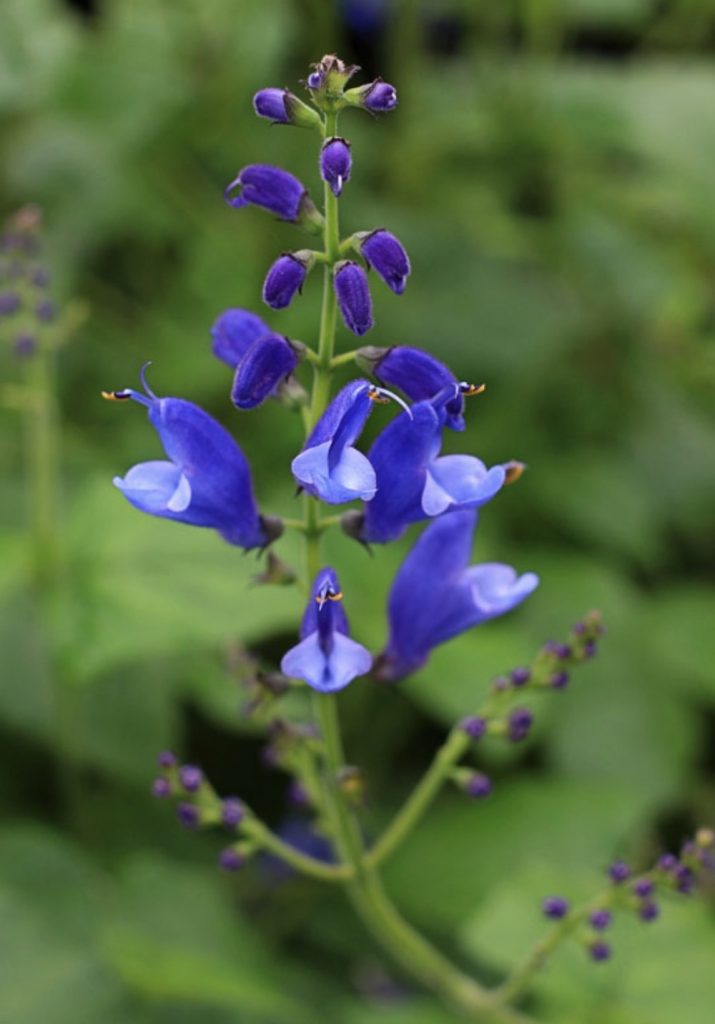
(267, 363)
(413, 483)
(436, 594)
(353, 294)
(387, 256)
(329, 467)
(283, 280)
(421, 376)
(207, 480)
(335, 163)
(270, 187)
(233, 333)
(326, 658)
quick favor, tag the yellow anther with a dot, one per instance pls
(473, 389)
(376, 396)
(514, 470)
(115, 396)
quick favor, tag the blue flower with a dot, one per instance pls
(284, 279)
(207, 480)
(268, 362)
(436, 594)
(326, 658)
(353, 294)
(329, 467)
(233, 333)
(272, 188)
(335, 163)
(413, 483)
(420, 376)
(387, 255)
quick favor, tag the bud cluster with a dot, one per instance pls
(27, 310)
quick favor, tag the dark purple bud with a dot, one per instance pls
(668, 862)
(643, 888)
(520, 721)
(188, 815)
(520, 676)
(9, 303)
(272, 188)
(315, 80)
(166, 759)
(649, 911)
(46, 310)
(232, 812)
(25, 345)
(190, 777)
(161, 788)
(298, 794)
(40, 277)
(335, 164)
(600, 919)
(475, 726)
(478, 785)
(684, 879)
(230, 859)
(233, 333)
(261, 371)
(387, 256)
(590, 649)
(377, 96)
(600, 951)
(500, 684)
(559, 680)
(283, 280)
(283, 107)
(619, 872)
(555, 907)
(353, 294)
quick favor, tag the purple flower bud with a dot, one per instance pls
(685, 880)
(555, 907)
(643, 888)
(298, 794)
(353, 293)
(600, 919)
(9, 303)
(230, 859)
(188, 815)
(475, 726)
(377, 96)
(668, 862)
(190, 777)
(619, 872)
(41, 277)
(478, 785)
(46, 310)
(590, 649)
(559, 680)
(335, 164)
(233, 333)
(161, 788)
(270, 187)
(500, 684)
(166, 759)
(599, 951)
(520, 721)
(649, 911)
(520, 676)
(388, 257)
(315, 80)
(25, 345)
(283, 280)
(232, 812)
(264, 367)
(271, 104)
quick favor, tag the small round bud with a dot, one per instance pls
(599, 951)
(590, 649)
(46, 310)
(500, 684)
(478, 786)
(520, 722)
(685, 880)
(230, 859)
(161, 788)
(555, 907)
(475, 726)
(600, 919)
(520, 676)
(166, 759)
(668, 862)
(643, 888)
(232, 812)
(335, 164)
(25, 345)
(559, 681)
(298, 794)
(649, 911)
(619, 872)
(40, 277)
(190, 777)
(9, 303)
(188, 815)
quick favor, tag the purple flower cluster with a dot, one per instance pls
(27, 312)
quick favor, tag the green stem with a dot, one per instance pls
(43, 462)
(421, 797)
(301, 862)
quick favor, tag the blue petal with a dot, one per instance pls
(156, 487)
(421, 376)
(233, 333)
(496, 588)
(331, 612)
(325, 428)
(459, 480)
(326, 673)
(268, 362)
(352, 477)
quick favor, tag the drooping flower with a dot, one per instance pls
(413, 482)
(326, 658)
(233, 333)
(353, 294)
(275, 190)
(420, 375)
(283, 107)
(335, 163)
(329, 467)
(436, 594)
(268, 362)
(285, 278)
(207, 480)
(387, 256)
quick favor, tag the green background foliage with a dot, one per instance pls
(550, 170)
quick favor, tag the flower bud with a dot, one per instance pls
(386, 255)
(353, 294)
(335, 164)
(231, 859)
(330, 76)
(268, 362)
(377, 97)
(9, 303)
(282, 107)
(25, 345)
(285, 278)
(555, 907)
(276, 191)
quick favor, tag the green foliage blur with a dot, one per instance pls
(550, 171)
